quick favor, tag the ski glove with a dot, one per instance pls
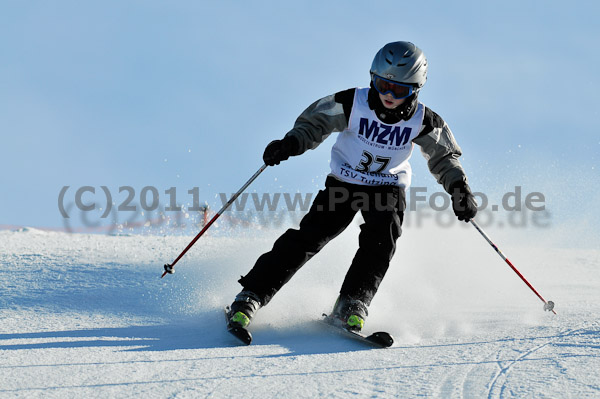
(280, 150)
(463, 201)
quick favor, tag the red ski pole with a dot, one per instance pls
(169, 266)
(548, 305)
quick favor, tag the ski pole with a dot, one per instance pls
(548, 305)
(169, 266)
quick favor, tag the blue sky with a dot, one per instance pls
(187, 93)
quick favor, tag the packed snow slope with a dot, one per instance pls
(88, 316)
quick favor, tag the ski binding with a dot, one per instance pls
(239, 332)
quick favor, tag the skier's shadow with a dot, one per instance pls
(204, 331)
(159, 337)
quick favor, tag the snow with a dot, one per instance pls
(88, 316)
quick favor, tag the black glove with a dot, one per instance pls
(463, 201)
(280, 150)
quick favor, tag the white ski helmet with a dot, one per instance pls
(401, 62)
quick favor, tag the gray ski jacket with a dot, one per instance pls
(331, 114)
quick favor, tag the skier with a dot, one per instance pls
(378, 127)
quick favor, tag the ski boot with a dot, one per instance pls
(243, 308)
(351, 312)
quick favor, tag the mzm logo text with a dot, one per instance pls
(384, 134)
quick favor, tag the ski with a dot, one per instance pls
(380, 339)
(240, 333)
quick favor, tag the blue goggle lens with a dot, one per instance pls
(397, 90)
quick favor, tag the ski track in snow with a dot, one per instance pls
(88, 316)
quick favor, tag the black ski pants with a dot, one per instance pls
(333, 209)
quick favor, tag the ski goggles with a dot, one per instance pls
(397, 90)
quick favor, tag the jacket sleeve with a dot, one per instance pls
(323, 117)
(440, 150)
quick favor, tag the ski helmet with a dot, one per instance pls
(401, 62)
